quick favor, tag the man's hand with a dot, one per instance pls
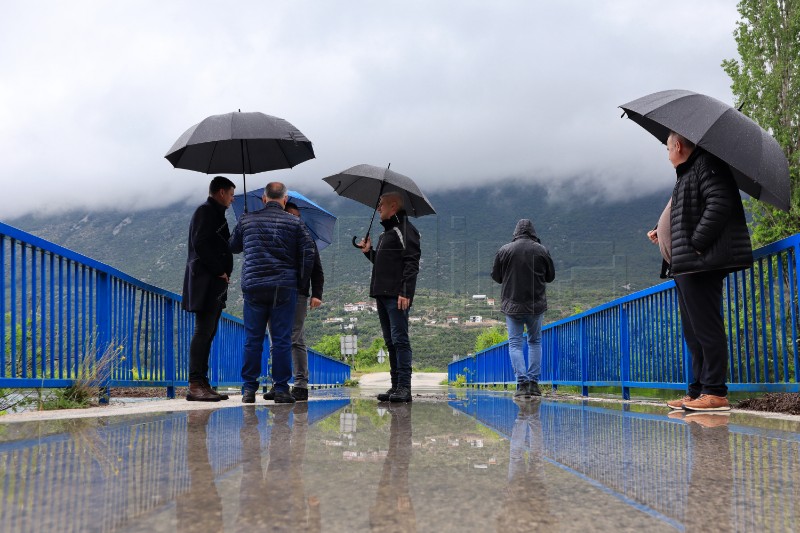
(403, 303)
(225, 277)
(365, 245)
(653, 236)
(314, 302)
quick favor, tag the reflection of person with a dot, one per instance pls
(705, 240)
(711, 476)
(524, 267)
(278, 258)
(202, 501)
(209, 264)
(526, 507)
(393, 509)
(394, 279)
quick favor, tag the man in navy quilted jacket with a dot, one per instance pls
(278, 259)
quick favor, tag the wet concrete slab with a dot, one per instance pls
(450, 461)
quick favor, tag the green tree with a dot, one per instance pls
(369, 356)
(330, 346)
(490, 337)
(766, 83)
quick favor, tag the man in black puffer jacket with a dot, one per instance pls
(278, 258)
(708, 240)
(394, 279)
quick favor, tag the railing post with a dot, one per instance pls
(169, 345)
(103, 344)
(625, 349)
(584, 356)
(556, 358)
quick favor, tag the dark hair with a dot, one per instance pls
(219, 183)
(275, 190)
(291, 205)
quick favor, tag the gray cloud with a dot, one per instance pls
(453, 92)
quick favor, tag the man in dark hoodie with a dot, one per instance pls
(523, 267)
(394, 279)
(209, 265)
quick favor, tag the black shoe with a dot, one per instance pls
(270, 394)
(283, 397)
(384, 396)
(523, 390)
(533, 388)
(249, 396)
(300, 394)
(401, 394)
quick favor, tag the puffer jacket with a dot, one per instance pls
(707, 223)
(523, 267)
(278, 251)
(396, 259)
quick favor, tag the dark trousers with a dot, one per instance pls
(205, 327)
(700, 300)
(394, 325)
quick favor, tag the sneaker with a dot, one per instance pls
(401, 394)
(384, 396)
(678, 404)
(249, 396)
(678, 414)
(708, 402)
(711, 419)
(534, 389)
(284, 397)
(522, 391)
(300, 394)
(270, 394)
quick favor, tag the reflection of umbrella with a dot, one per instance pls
(366, 183)
(755, 158)
(318, 220)
(246, 143)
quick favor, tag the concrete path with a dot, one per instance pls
(421, 380)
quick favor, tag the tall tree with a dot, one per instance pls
(766, 83)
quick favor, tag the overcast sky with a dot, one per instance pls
(93, 94)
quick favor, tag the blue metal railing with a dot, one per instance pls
(636, 341)
(64, 317)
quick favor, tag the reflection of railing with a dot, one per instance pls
(636, 341)
(64, 316)
(653, 463)
(104, 478)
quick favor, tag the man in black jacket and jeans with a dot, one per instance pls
(708, 240)
(394, 279)
(205, 282)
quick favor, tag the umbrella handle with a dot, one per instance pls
(354, 242)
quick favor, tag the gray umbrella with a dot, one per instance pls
(366, 183)
(756, 159)
(234, 143)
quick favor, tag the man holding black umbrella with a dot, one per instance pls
(394, 279)
(708, 239)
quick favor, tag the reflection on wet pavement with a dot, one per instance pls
(474, 462)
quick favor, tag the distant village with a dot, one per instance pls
(370, 307)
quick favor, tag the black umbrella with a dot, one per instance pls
(756, 159)
(366, 184)
(246, 143)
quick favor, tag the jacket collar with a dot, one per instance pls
(684, 167)
(394, 220)
(218, 207)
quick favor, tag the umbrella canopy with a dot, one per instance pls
(365, 184)
(756, 159)
(319, 221)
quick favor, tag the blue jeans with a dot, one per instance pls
(515, 325)
(276, 306)
(394, 325)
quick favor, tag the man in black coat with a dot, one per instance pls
(394, 279)
(205, 283)
(708, 240)
(524, 267)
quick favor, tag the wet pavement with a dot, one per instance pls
(455, 460)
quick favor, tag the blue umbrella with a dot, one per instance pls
(318, 220)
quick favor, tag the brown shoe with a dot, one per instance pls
(213, 392)
(678, 404)
(199, 393)
(708, 402)
(712, 419)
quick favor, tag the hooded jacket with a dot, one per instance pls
(707, 222)
(207, 259)
(523, 267)
(395, 259)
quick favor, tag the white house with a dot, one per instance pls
(476, 318)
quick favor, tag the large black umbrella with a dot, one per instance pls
(366, 183)
(756, 159)
(240, 143)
